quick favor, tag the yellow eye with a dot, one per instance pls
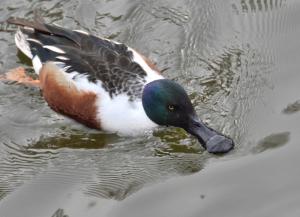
(171, 108)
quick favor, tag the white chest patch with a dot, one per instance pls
(123, 116)
(117, 114)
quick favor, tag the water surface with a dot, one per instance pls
(238, 60)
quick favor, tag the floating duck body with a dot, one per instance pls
(98, 82)
(107, 85)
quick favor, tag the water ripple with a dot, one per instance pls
(173, 15)
(19, 164)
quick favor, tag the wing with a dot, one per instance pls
(118, 68)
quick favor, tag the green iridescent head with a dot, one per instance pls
(167, 103)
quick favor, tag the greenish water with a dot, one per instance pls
(239, 62)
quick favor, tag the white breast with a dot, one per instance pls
(123, 116)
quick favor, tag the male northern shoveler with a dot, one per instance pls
(108, 85)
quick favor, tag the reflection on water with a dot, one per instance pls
(272, 141)
(292, 108)
(76, 139)
(226, 54)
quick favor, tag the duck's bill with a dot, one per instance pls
(210, 139)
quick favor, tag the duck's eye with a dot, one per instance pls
(171, 108)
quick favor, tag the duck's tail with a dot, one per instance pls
(37, 24)
(22, 39)
(40, 41)
(22, 43)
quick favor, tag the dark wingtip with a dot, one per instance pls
(38, 19)
(37, 24)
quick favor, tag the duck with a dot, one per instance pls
(107, 85)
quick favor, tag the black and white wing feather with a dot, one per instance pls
(110, 64)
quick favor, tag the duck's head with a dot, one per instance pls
(166, 103)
